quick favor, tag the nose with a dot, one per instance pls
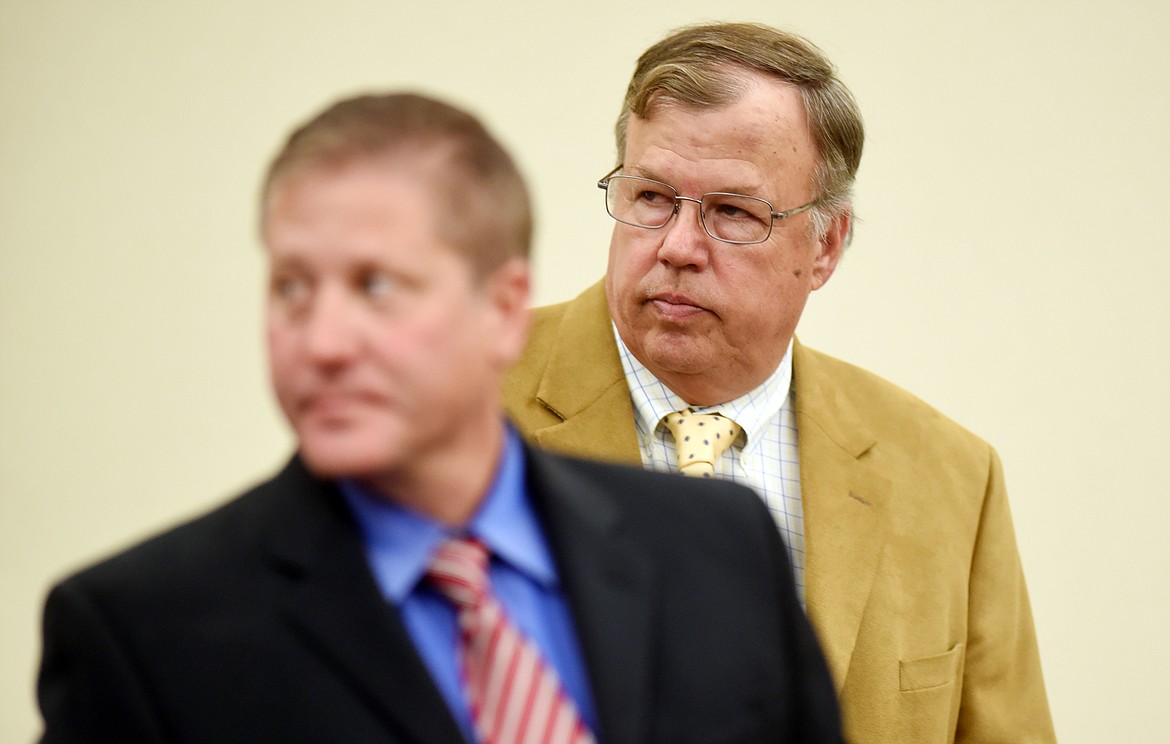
(331, 335)
(685, 242)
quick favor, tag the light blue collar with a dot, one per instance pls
(399, 541)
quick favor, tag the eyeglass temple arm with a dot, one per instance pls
(794, 210)
(604, 182)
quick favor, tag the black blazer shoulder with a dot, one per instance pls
(261, 621)
(685, 606)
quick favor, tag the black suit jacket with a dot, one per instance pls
(261, 622)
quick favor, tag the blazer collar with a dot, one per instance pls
(845, 501)
(584, 385)
(334, 606)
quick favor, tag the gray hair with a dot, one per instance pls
(697, 66)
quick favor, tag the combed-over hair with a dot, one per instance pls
(701, 66)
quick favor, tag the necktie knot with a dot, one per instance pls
(458, 570)
(699, 440)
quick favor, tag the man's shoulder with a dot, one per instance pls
(219, 540)
(585, 318)
(569, 366)
(849, 378)
(635, 491)
(542, 337)
(574, 468)
(848, 399)
(545, 317)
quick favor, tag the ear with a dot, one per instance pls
(830, 247)
(507, 291)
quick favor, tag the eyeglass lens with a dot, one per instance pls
(645, 203)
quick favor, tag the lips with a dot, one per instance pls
(675, 305)
(338, 404)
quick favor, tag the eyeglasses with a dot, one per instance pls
(731, 218)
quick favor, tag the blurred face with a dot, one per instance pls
(712, 320)
(385, 353)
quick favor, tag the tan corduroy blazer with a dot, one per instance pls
(913, 578)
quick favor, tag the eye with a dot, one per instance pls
(729, 208)
(731, 211)
(376, 285)
(651, 197)
(290, 289)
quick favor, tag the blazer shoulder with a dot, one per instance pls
(624, 492)
(571, 373)
(837, 394)
(542, 336)
(216, 540)
(576, 325)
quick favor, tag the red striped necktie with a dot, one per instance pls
(515, 697)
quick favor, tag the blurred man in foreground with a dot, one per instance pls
(415, 573)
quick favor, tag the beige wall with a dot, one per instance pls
(1011, 266)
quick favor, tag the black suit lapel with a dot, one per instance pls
(335, 607)
(609, 583)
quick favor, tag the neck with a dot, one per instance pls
(714, 386)
(698, 391)
(448, 484)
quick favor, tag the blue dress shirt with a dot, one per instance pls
(399, 544)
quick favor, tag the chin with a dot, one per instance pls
(332, 467)
(343, 457)
(676, 352)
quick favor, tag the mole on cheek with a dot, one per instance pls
(798, 272)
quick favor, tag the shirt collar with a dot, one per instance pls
(400, 542)
(752, 411)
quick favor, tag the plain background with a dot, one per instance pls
(1010, 265)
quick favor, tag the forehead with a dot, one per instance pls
(321, 203)
(760, 141)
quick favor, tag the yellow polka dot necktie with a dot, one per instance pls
(699, 440)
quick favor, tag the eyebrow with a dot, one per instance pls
(637, 170)
(744, 190)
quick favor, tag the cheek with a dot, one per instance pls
(778, 271)
(425, 345)
(634, 249)
(750, 279)
(282, 356)
(279, 339)
(758, 293)
(631, 258)
(801, 259)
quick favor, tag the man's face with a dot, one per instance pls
(712, 320)
(384, 351)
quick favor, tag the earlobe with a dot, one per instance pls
(508, 290)
(509, 285)
(830, 247)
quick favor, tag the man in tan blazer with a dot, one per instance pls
(738, 150)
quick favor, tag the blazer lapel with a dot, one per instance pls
(334, 605)
(610, 590)
(585, 386)
(844, 502)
